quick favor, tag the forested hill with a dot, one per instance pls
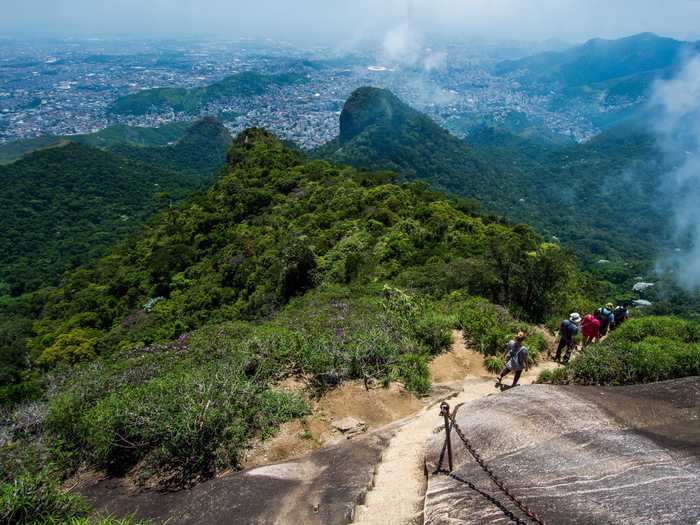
(109, 137)
(245, 84)
(630, 62)
(201, 150)
(62, 206)
(380, 132)
(597, 198)
(606, 81)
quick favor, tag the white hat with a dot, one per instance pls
(575, 318)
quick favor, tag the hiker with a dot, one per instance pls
(620, 314)
(516, 360)
(606, 318)
(567, 336)
(590, 329)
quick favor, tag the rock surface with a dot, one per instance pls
(584, 455)
(322, 488)
(350, 426)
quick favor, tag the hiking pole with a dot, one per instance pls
(445, 412)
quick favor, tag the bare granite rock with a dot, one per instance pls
(350, 426)
(583, 455)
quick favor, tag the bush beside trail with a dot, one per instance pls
(642, 350)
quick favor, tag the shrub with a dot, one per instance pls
(556, 376)
(494, 363)
(536, 344)
(72, 347)
(487, 326)
(34, 499)
(435, 330)
(636, 330)
(182, 424)
(640, 351)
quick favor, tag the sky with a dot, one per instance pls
(353, 21)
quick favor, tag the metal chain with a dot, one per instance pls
(509, 514)
(524, 508)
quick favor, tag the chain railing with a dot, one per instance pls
(451, 423)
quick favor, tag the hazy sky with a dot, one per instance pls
(344, 22)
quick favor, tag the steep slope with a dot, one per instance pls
(246, 84)
(63, 205)
(598, 198)
(200, 151)
(380, 132)
(285, 268)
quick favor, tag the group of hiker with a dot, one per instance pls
(593, 327)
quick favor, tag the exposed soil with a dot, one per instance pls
(377, 407)
(399, 483)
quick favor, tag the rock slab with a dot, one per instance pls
(583, 455)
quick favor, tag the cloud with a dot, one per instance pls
(676, 103)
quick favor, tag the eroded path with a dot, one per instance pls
(399, 483)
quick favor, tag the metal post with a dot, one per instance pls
(445, 412)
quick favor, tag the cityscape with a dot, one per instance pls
(66, 87)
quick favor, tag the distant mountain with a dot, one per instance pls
(108, 137)
(606, 81)
(64, 204)
(598, 198)
(246, 84)
(631, 61)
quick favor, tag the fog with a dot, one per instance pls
(344, 23)
(676, 103)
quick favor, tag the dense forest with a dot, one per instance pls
(599, 199)
(106, 138)
(63, 205)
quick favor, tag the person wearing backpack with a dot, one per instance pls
(606, 318)
(620, 314)
(590, 329)
(516, 361)
(568, 329)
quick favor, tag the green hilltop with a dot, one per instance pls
(63, 205)
(106, 138)
(246, 84)
(598, 198)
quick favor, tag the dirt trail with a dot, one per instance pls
(399, 483)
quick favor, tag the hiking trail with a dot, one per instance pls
(398, 488)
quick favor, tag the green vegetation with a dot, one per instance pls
(34, 499)
(379, 132)
(640, 351)
(246, 84)
(201, 150)
(62, 206)
(599, 199)
(163, 359)
(490, 327)
(106, 138)
(38, 500)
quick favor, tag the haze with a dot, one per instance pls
(342, 23)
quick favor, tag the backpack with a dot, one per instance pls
(620, 314)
